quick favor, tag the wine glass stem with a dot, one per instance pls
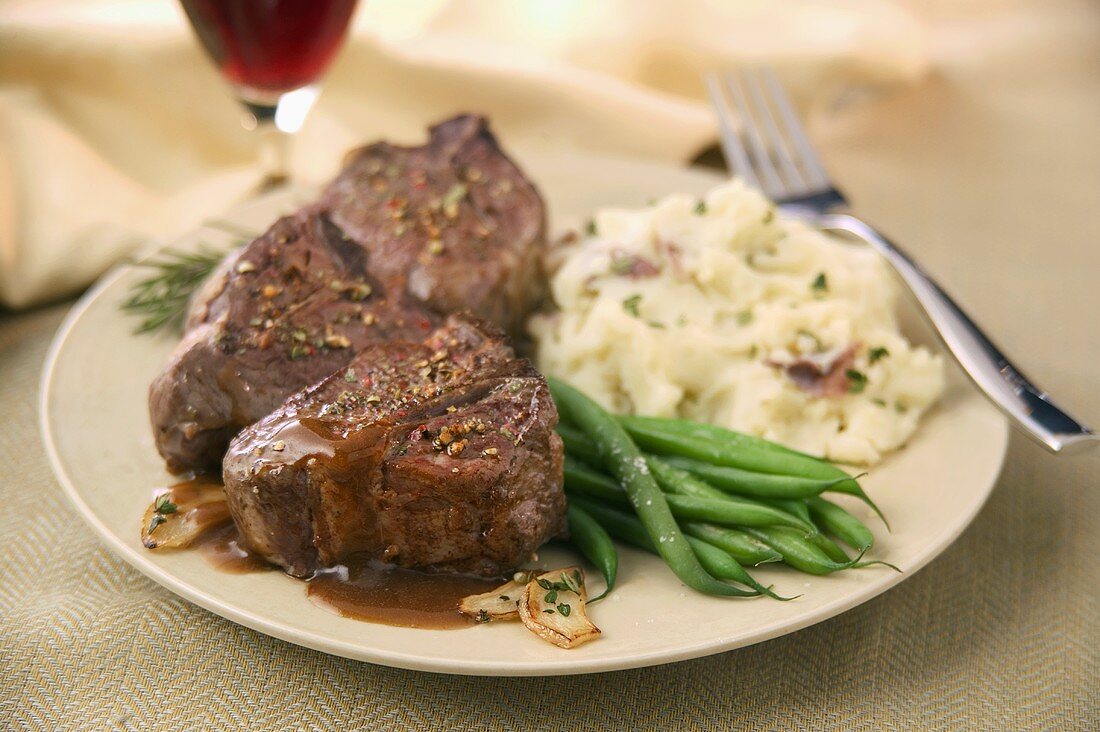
(274, 146)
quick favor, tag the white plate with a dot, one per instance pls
(95, 426)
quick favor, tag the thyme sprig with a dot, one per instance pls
(162, 508)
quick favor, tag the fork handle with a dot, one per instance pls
(1028, 405)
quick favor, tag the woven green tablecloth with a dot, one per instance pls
(1000, 633)
(988, 171)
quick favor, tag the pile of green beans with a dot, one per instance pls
(709, 501)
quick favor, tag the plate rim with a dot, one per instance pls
(417, 662)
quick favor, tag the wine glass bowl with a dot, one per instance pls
(273, 54)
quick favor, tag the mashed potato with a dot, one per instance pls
(722, 312)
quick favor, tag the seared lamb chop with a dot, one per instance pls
(285, 311)
(439, 455)
(452, 225)
(455, 222)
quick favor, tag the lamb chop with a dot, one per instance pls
(287, 310)
(403, 236)
(454, 222)
(439, 454)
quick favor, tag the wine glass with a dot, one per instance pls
(272, 53)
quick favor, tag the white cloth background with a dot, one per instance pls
(115, 130)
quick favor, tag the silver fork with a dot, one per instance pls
(766, 146)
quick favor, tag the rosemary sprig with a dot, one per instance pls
(162, 298)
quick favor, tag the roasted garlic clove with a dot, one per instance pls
(183, 513)
(501, 603)
(552, 607)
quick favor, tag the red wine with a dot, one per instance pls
(270, 46)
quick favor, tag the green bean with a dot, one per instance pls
(719, 446)
(748, 483)
(629, 529)
(617, 522)
(798, 551)
(767, 485)
(677, 480)
(794, 506)
(716, 446)
(583, 479)
(801, 510)
(698, 441)
(596, 546)
(723, 566)
(831, 549)
(742, 547)
(841, 524)
(731, 512)
(577, 445)
(624, 460)
(727, 510)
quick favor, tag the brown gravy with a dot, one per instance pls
(194, 489)
(223, 549)
(378, 593)
(363, 589)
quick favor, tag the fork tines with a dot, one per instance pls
(761, 136)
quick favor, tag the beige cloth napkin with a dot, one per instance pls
(116, 132)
